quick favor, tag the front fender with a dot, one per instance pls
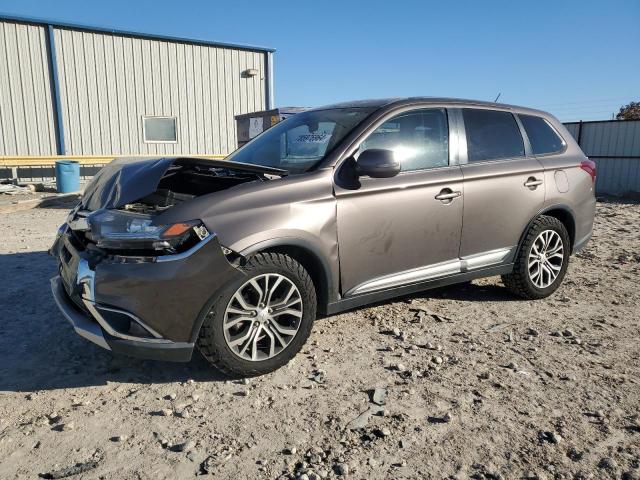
(299, 211)
(328, 265)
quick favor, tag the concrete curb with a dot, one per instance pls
(52, 201)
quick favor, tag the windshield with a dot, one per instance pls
(300, 141)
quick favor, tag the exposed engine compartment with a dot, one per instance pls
(160, 183)
(184, 181)
(117, 213)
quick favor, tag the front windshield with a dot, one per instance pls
(300, 141)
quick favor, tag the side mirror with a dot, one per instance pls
(377, 163)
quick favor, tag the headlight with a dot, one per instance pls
(118, 230)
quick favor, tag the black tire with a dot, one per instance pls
(519, 281)
(211, 342)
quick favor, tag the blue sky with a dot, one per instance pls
(577, 59)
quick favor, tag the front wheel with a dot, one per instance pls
(542, 261)
(259, 323)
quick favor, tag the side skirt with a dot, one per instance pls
(381, 295)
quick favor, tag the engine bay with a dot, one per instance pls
(184, 182)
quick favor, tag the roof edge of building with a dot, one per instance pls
(129, 33)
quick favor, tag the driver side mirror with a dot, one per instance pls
(377, 163)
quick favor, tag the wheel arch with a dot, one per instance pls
(308, 256)
(566, 216)
(563, 214)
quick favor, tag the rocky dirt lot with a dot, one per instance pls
(459, 382)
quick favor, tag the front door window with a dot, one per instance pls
(419, 139)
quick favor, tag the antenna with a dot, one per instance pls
(500, 93)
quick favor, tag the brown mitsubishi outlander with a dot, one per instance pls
(333, 208)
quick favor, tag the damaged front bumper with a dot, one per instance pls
(94, 329)
(150, 309)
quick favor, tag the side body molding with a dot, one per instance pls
(431, 272)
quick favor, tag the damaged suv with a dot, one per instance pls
(331, 209)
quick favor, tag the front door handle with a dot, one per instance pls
(532, 183)
(446, 195)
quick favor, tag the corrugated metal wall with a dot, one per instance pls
(26, 111)
(573, 129)
(615, 147)
(109, 82)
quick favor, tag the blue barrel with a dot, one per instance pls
(67, 176)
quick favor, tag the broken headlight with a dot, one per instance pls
(119, 230)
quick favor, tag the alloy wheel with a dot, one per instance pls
(262, 317)
(546, 258)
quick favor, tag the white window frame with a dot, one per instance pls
(144, 128)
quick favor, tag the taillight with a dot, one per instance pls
(589, 166)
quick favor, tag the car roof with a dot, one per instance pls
(400, 101)
(368, 103)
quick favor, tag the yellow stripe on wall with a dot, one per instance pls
(83, 159)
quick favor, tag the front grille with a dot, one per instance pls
(69, 259)
(72, 292)
(65, 254)
(68, 270)
(79, 240)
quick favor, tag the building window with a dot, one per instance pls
(159, 129)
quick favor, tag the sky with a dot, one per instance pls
(580, 60)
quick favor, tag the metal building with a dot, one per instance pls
(89, 92)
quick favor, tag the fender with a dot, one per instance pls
(326, 272)
(544, 210)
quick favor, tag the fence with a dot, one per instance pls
(615, 147)
(613, 144)
(25, 169)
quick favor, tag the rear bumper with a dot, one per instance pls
(91, 328)
(580, 243)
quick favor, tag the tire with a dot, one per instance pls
(523, 281)
(214, 340)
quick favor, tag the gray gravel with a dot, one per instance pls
(478, 384)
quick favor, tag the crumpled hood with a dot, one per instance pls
(126, 180)
(123, 181)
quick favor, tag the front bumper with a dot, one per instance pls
(151, 309)
(92, 330)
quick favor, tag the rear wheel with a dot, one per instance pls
(260, 322)
(542, 261)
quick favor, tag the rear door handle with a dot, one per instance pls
(532, 182)
(447, 194)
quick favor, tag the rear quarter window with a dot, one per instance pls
(491, 135)
(542, 136)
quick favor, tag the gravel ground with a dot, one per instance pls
(460, 382)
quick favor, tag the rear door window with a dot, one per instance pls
(542, 137)
(491, 135)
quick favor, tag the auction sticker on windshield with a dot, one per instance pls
(256, 126)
